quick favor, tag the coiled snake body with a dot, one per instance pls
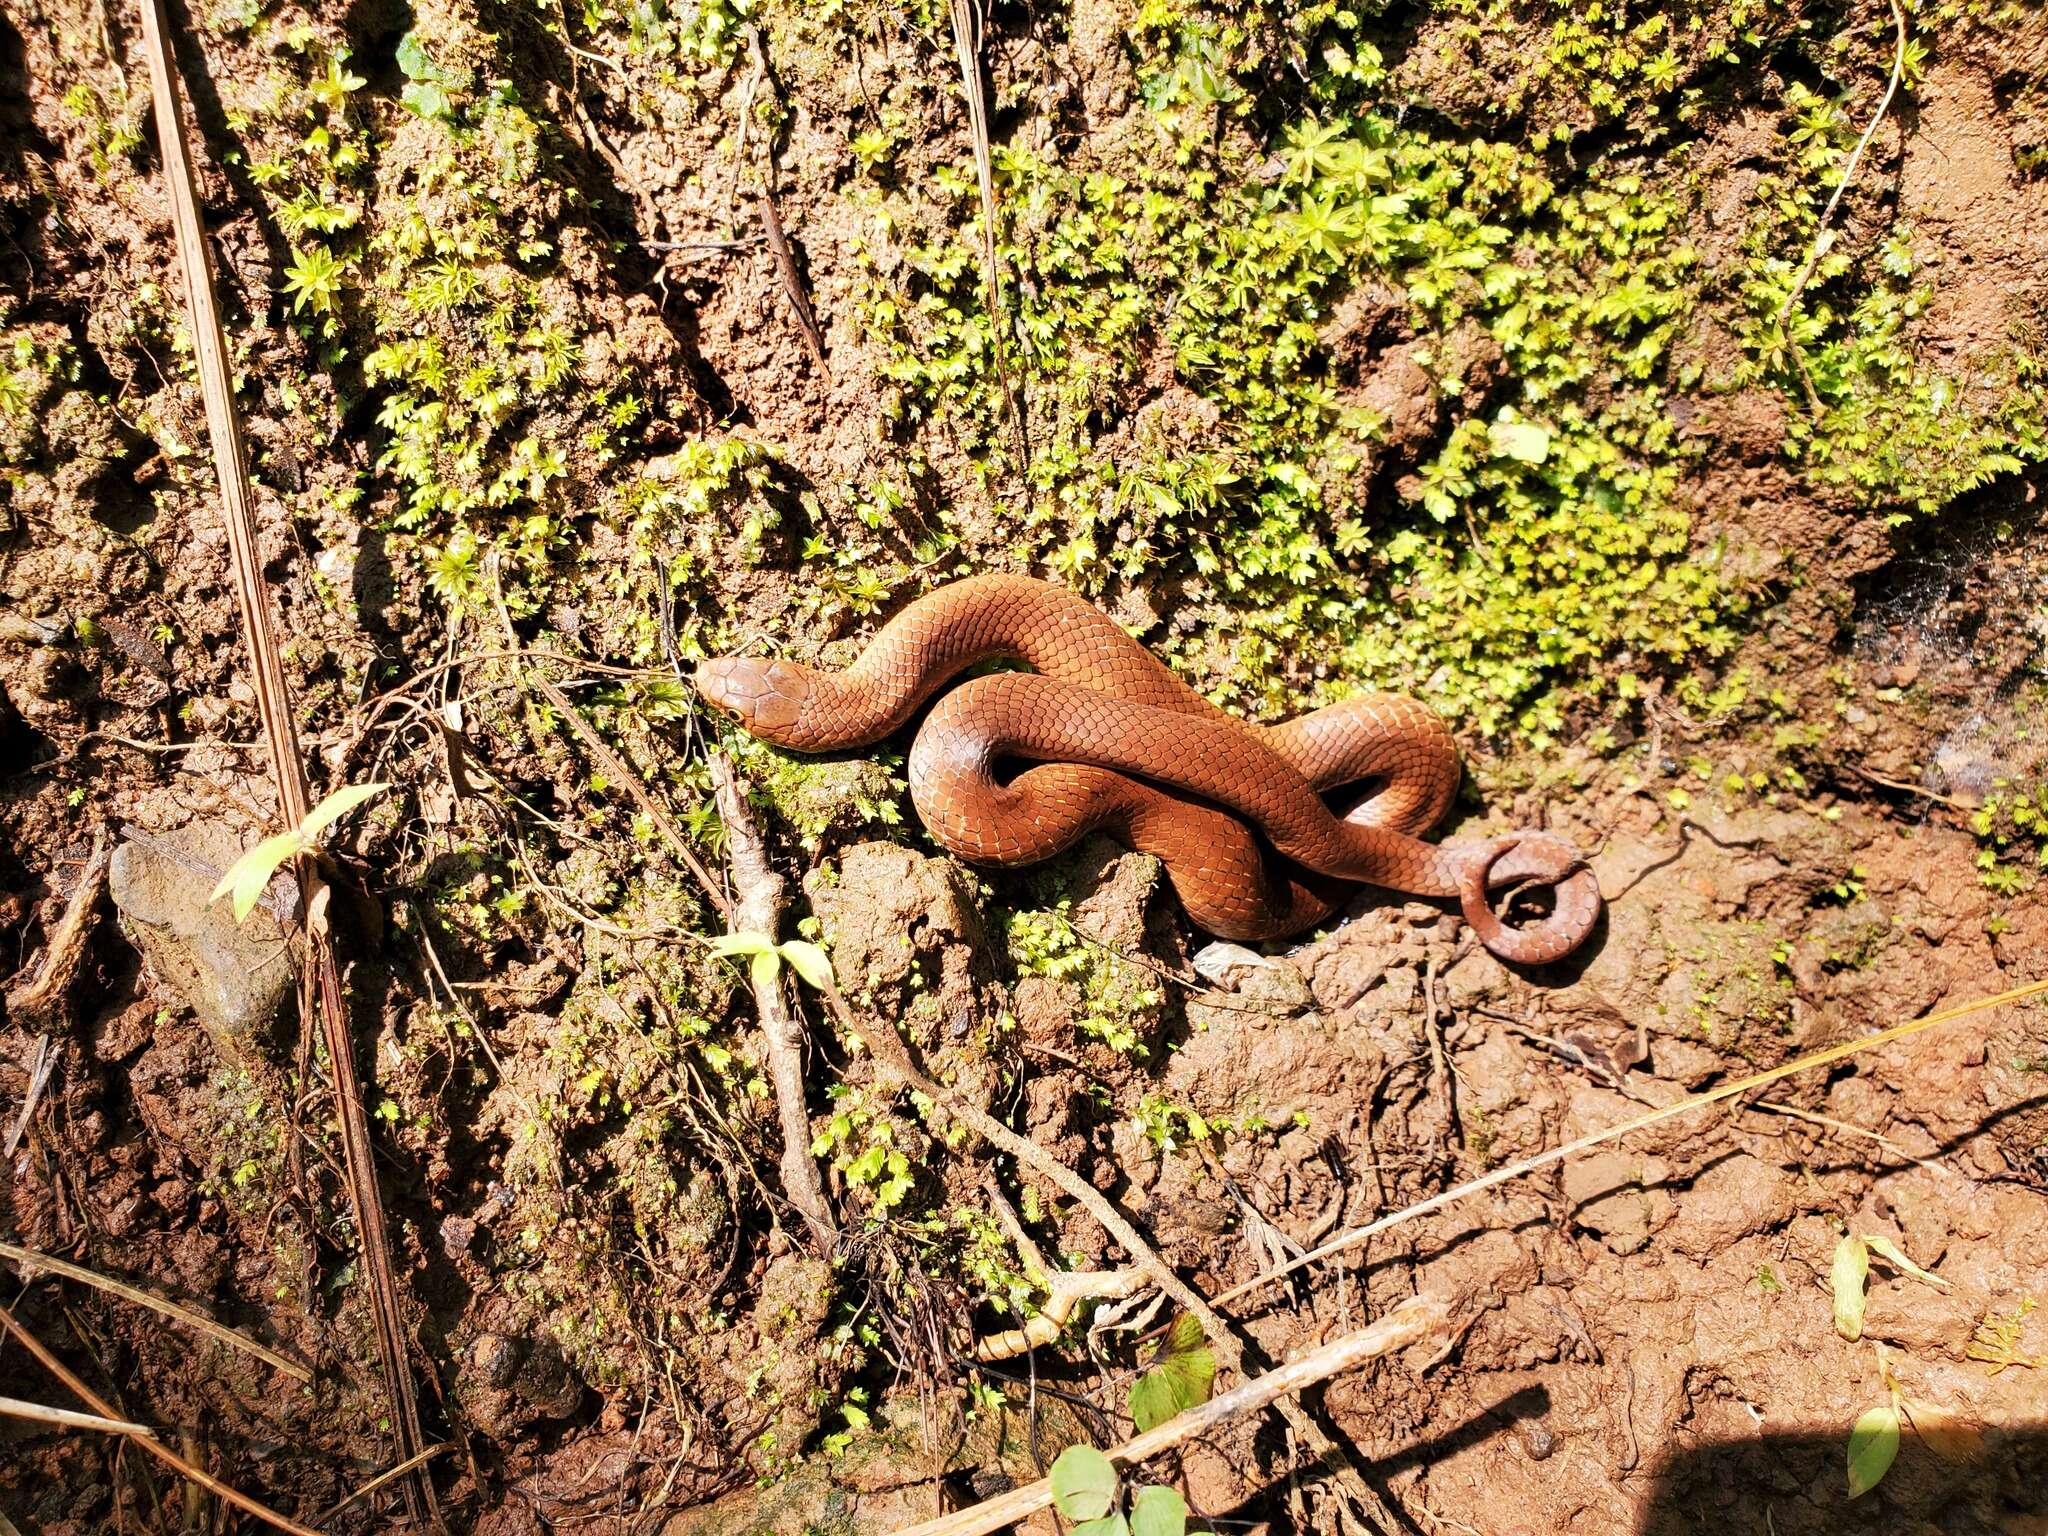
(1119, 743)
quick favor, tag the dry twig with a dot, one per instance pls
(65, 1418)
(619, 773)
(31, 1261)
(40, 1003)
(1357, 1235)
(762, 896)
(1823, 236)
(149, 1442)
(389, 1475)
(792, 279)
(1230, 1353)
(1064, 1291)
(1413, 1320)
(967, 45)
(320, 991)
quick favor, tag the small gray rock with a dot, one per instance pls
(235, 977)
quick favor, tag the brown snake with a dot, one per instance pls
(1122, 744)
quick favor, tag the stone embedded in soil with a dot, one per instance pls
(508, 1384)
(234, 976)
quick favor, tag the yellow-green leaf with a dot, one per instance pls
(741, 944)
(1873, 1444)
(1522, 441)
(1181, 1377)
(1158, 1511)
(248, 875)
(766, 963)
(808, 961)
(1891, 1253)
(1083, 1483)
(1847, 1275)
(336, 806)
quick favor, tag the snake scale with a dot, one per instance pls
(1115, 741)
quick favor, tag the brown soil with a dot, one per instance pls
(1646, 1343)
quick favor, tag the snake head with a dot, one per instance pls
(1531, 858)
(767, 697)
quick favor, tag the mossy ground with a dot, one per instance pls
(1331, 348)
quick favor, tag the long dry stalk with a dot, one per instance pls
(320, 984)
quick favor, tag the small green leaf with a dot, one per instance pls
(1891, 1253)
(1151, 1401)
(248, 875)
(1083, 1483)
(1158, 1512)
(1872, 1445)
(1108, 1525)
(428, 99)
(766, 963)
(414, 63)
(1851, 1268)
(336, 806)
(1182, 1375)
(809, 962)
(742, 944)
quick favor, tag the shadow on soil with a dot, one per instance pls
(1795, 1485)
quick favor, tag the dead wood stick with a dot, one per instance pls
(1823, 236)
(30, 1262)
(763, 894)
(890, 1050)
(40, 1003)
(1413, 1320)
(40, 1067)
(65, 1418)
(792, 279)
(320, 992)
(149, 1443)
(1344, 1241)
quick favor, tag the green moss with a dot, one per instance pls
(1118, 1001)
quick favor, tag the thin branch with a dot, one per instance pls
(1908, 789)
(385, 1477)
(1772, 1106)
(617, 770)
(41, 1002)
(763, 894)
(1414, 1320)
(1064, 1291)
(149, 1443)
(40, 1069)
(31, 1261)
(15, 1408)
(792, 279)
(1823, 237)
(1230, 1353)
(967, 48)
(1358, 1235)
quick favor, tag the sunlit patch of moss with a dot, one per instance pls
(1119, 1001)
(1541, 539)
(1868, 417)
